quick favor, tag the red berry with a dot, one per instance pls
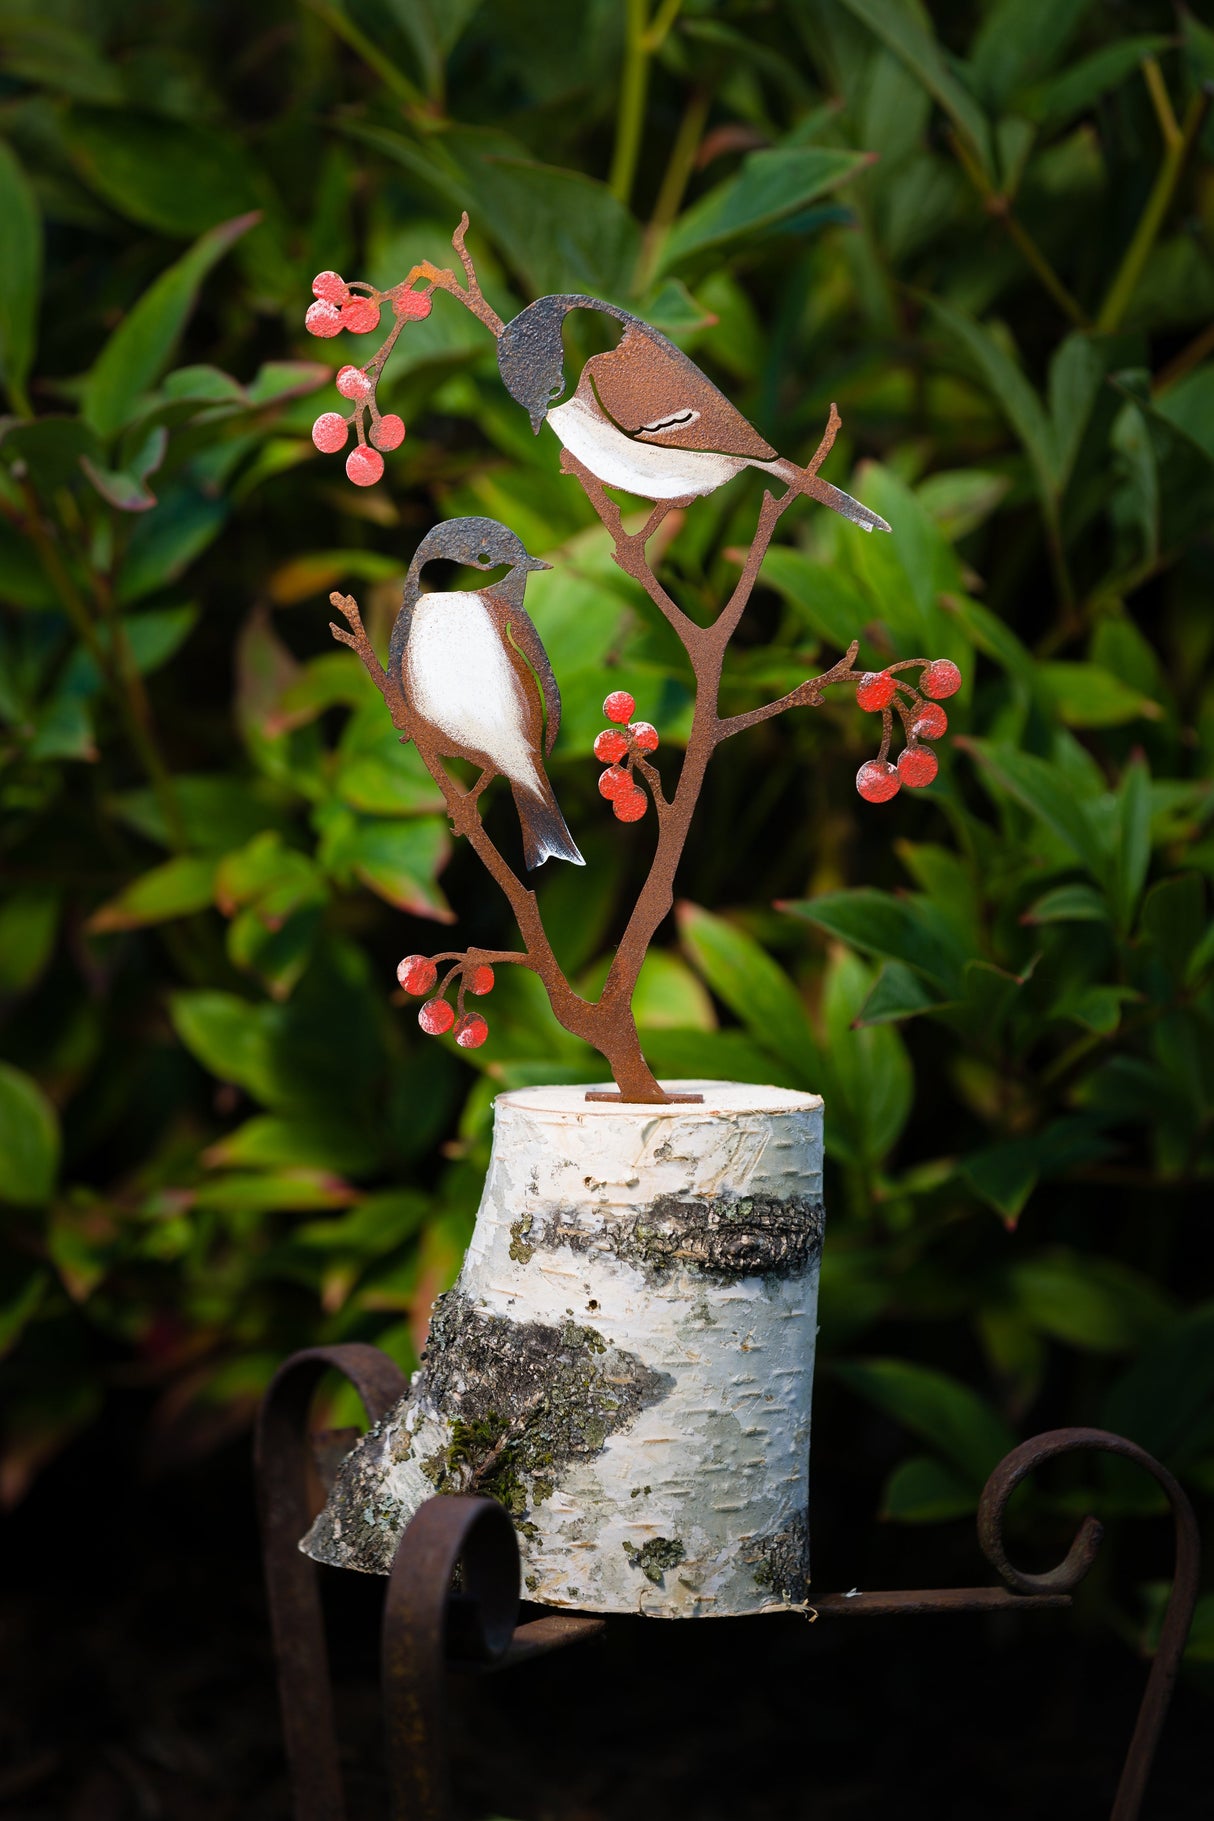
(876, 689)
(329, 432)
(631, 806)
(412, 305)
(389, 432)
(482, 980)
(360, 315)
(932, 722)
(610, 746)
(619, 706)
(471, 1031)
(942, 678)
(645, 736)
(436, 1017)
(364, 466)
(615, 782)
(917, 766)
(331, 286)
(323, 319)
(417, 974)
(352, 382)
(877, 781)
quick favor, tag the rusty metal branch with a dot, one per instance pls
(296, 1622)
(810, 694)
(1066, 1576)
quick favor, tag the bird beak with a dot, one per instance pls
(535, 562)
(537, 418)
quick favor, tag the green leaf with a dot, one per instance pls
(1043, 790)
(1076, 375)
(560, 230)
(1133, 853)
(1008, 389)
(29, 1140)
(899, 993)
(28, 921)
(20, 273)
(218, 812)
(42, 50)
(165, 542)
(922, 1490)
(142, 344)
(399, 861)
(1165, 1402)
(899, 929)
(1088, 1301)
(1005, 1175)
(19, 1306)
(754, 988)
(694, 1054)
(865, 1075)
(1053, 103)
(1020, 41)
(1087, 696)
(269, 1141)
(1068, 904)
(1174, 920)
(168, 175)
(904, 27)
(769, 186)
(230, 1037)
(832, 607)
(1189, 407)
(941, 1410)
(176, 889)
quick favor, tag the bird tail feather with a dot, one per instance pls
(817, 489)
(545, 835)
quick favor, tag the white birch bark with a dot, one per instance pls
(626, 1359)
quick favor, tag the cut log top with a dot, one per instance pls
(719, 1097)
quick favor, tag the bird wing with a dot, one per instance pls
(521, 635)
(654, 393)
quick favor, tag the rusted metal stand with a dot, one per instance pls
(428, 1630)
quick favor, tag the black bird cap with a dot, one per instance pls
(531, 352)
(477, 543)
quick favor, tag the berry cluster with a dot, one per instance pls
(418, 974)
(622, 747)
(882, 692)
(337, 308)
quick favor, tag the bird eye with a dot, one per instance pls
(555, 390)
(484, 558)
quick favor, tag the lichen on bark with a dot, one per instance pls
(782, 1560)
(719, 1236)
(655, 1557)
(518, 1403)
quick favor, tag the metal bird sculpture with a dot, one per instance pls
(643, 417)
(476, 678)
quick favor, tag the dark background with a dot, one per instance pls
(988, 236)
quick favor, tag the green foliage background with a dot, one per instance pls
(991, 239)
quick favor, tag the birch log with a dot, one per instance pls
(626, 1359)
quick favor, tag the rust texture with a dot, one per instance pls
(429, 1629)
(648, 422)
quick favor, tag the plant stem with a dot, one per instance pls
(393, 79)
(1125, 283)
(130, 702)
(630, 117)
(643, 37)
(999, 206)
(675, 179)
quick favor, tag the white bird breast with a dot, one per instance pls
(461, 680)
(646, 469)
